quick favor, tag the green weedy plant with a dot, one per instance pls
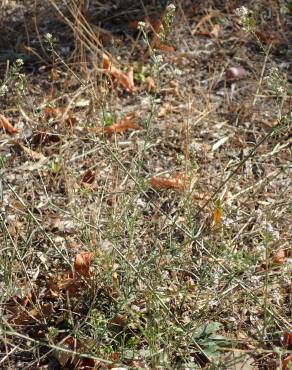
(14, 81)
(275, 79)
(168, 21)
(211, 342)
(163, 35)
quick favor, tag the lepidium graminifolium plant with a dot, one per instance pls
(164, 32)
(247, 19)
(14, 81)
(168, 22)
(50, 41)
(275, 79)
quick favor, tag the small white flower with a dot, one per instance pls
(246, 18)
(141, 25)
(171, 8)
(178, 72)
(158, 59)
(3, 90)
(19, 62)
(242, 12)
(280, 90)
(48, 37)
(276, 81)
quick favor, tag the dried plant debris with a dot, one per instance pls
(145, 185)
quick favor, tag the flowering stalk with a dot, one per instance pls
(14, 79)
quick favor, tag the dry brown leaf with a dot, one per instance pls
(280, 257)
(217, 215)
(288, 340)
(60, 113)
(83, 262)
(156, 44)
(125, 80)
(178, 182)
(151, 86)
(265, 37)
(216, 31)
(7, 126)
(130, 75)
(119, 127)
(53, 112)
(119, 320)
(106, 64)
(88, 177)
(287, 363)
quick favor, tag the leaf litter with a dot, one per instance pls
(207, 127)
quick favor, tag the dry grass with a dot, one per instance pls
(185, 213)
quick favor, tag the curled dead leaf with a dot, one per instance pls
(280, 257)
(217, 215)
(156, 44)
(265, 37)
(178, 182)
(7, 126)
(288, 340)
(126, 80)
(119, 127)
(216, 31)
(130, 75)
(83, 262)
(88, 177)
(287, 363)
(151, 86)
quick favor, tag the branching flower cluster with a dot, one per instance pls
(14, 79)
(276, 81)
(246, 18)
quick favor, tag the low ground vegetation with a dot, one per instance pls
(145, 158)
